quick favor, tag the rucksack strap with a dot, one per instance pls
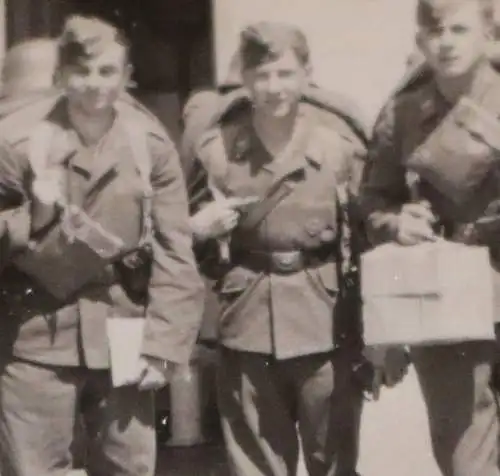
(40, 141)
(345, 242)
(137, 137)
(39, 145)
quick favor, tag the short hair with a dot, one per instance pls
(429, 12)
(266, 41)
(85, 37)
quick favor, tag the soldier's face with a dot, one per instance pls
(457, 42)
(276, 87)
(94, 85)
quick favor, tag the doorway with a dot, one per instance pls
(172, 47)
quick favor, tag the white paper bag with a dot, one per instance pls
(125, 336)
(430, 293)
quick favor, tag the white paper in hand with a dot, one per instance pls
(125, 336)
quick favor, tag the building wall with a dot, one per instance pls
(3, 32)
(171, 43)
(358, 47)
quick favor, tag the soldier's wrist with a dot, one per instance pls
(199, 234)
(43, 216)
(164, 365)
(200, 230)
(393, 228)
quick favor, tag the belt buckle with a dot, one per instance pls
(287, 261)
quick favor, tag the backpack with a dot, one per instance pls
(330, 109)
(419, 73)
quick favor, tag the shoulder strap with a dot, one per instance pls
(281, 189)
(345, 229)
(137, 137)
(257, 212)
(39, 143)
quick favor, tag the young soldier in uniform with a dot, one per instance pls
(280, 363)
(55, 350)
(453, 36)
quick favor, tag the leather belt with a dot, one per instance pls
(281, 262)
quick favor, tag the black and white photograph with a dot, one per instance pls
(249, 238)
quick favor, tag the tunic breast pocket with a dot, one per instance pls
(308, 224)
(120, 206)
(129, 186)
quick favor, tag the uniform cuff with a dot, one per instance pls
(18, 227)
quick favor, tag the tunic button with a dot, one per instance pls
(327, 235)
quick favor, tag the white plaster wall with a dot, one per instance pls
(358, 46)
(3, 30)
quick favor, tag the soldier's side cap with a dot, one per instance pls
(86, 37)
(264, 41)
(233, 78)
(431, 12)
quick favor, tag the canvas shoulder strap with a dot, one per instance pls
(257, 212)
(39, 143)
(38, 150)
(137, 137)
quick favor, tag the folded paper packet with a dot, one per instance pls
(125, 336)
(458, 155)
(72, 254)
(430, 293)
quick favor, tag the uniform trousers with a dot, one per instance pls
(39, 410)
(455, 381)
(263, 401)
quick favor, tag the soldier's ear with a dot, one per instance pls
(128, 81)
(419, 37)
(56, 78)
(489, 30)
(308, 69)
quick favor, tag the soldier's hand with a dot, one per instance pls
(47, 193)
(376, 356)
(154, 373)
(378, 381)
(415, 224)
(391, 364)
(488, 226)
(219, 217)
(47, 188)
(397, 363)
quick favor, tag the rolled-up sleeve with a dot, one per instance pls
(384, 189)
(176, 291)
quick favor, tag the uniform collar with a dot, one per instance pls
(483, 81)
(301, 143)
(433, 103)
(93, 162)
